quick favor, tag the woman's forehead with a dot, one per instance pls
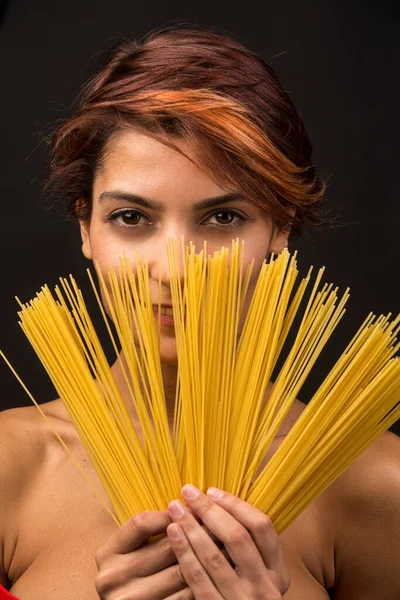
(144, 165)
(142, 149)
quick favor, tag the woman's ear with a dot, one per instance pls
(280, 240)
(84, 226)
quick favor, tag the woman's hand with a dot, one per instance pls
(129, 566)
(258, 571)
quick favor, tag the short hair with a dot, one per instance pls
(197, 84)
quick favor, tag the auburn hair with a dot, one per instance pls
(192, 83)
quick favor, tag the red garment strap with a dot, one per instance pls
(4, 595)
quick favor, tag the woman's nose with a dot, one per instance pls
(158, 259)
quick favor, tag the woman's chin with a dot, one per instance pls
(168, 352)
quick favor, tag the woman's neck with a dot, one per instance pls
(169, 374)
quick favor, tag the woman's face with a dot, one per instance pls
(147, 193)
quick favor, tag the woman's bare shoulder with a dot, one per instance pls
(27, 442)
(19, 429)
(364, 506)
(373, 476)
(26, 437)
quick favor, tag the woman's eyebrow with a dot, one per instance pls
(153, 205)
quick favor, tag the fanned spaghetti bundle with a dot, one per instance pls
(226, 412)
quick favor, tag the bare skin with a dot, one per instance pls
(57, 537)
(52, 524)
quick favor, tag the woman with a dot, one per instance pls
(186, 133)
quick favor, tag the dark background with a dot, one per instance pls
(339, 61)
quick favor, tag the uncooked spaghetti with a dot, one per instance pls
(227, 413)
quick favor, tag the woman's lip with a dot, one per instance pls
(164, 319)
(162, 305)
(168, 310)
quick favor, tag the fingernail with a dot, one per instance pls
(190, 492)
(215, 493)
(176, 509)
(174, 532)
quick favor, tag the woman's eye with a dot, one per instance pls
(220, 218)
(225, 218)
(127, 218)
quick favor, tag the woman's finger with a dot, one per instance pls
(153, 556)
(183, 595)
(140, 528)
(134, 533)
(157, 586)
(146, 560)
(255, 521)
(194, 573)
(235, 537)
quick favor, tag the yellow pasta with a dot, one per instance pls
(227, 413)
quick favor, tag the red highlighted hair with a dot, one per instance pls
(207, 88)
